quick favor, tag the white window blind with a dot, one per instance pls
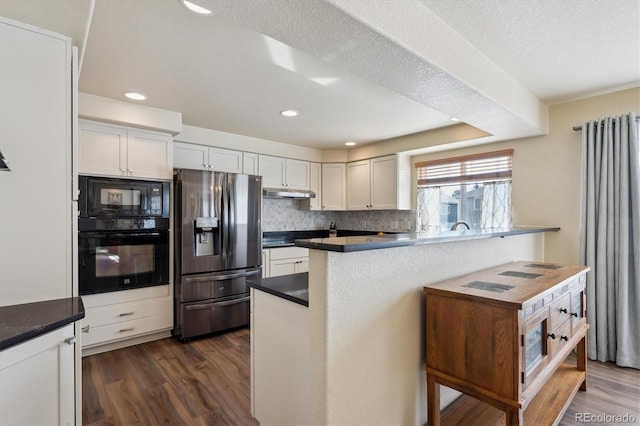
(489, 166)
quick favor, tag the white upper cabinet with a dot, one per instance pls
(379, 184)
(200, 157)
(110, 150)
(249, 163)
(315, 185)
(278, 172)
(334, 186)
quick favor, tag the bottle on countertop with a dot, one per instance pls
(333, 230)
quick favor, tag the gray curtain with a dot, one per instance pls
(610, 238)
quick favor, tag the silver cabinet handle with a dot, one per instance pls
(123, 330)
(123, 170)
(70, 340)
(124, 314)
(130, 171)
(86, 329)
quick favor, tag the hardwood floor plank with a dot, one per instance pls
(207, 382)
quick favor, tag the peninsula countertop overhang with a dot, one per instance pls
(376, 242)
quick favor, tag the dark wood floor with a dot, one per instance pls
(207, 382)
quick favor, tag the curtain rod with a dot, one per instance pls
(579, 128)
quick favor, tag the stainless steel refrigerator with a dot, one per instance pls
(218, 246)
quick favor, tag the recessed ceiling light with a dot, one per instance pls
(195, 8)
(289, 113)
(349, 143)
(135, 96)
(454, 119)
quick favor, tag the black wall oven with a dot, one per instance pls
(123, 234)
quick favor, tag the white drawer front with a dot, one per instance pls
(126, 329)
(122, 312)
(288, 252)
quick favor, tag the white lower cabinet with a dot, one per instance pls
(116, 320)
(37, 380)
(265, 263)
(280, 381)
(288, 260)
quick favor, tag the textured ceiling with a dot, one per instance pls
(363, 70)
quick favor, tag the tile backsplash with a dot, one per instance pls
(289, 215)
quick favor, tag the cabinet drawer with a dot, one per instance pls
(288, 252)
(122, 312)
(562, 335)
(125, 329)
(560, 311)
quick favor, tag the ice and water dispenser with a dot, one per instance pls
(207, 236)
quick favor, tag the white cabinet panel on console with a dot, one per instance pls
(334, 186)
(123, 318)
(37, 380)
(110, 150)
(278, 172)
(200, 157)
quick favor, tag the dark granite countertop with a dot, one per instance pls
(294, 287)
(374, 242)
(274, 239)
(19, 323)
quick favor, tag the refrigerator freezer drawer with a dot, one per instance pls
(200, 318)
(215, 285)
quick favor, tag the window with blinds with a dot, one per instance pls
(489, 166)
(475, 189)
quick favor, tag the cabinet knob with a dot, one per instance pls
(123, 170)
(70, 340)
(551, 336)
(565, 338)
(563, 310)
(574, 314)
(86, 329)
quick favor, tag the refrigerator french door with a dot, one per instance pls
(218, 248)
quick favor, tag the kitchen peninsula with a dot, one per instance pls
(364, 325)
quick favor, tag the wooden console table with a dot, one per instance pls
(501, 336)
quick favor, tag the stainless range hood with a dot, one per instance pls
(287, 193)
(4, 164)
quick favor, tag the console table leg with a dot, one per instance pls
(581, 360)
(433, 401)
(513, 416)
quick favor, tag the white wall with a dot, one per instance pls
(546, 169)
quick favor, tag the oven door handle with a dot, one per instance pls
(223, 277)
(216, 304)
(120, 235)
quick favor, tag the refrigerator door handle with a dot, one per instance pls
(225, 219)
(216, 304)
(223, 277)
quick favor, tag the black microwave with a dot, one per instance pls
(102, 197)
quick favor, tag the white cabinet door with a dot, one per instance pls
(150, 155)
(37, 380)
(282, 267)
(265, 263)
(315, 185)
(272, 170)
(35, 137)
(358, 190)
(102, 150)
(384, 183)
(334, 186)
(190, 156)
(225, 160)
(297, 174)
(249, 163)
